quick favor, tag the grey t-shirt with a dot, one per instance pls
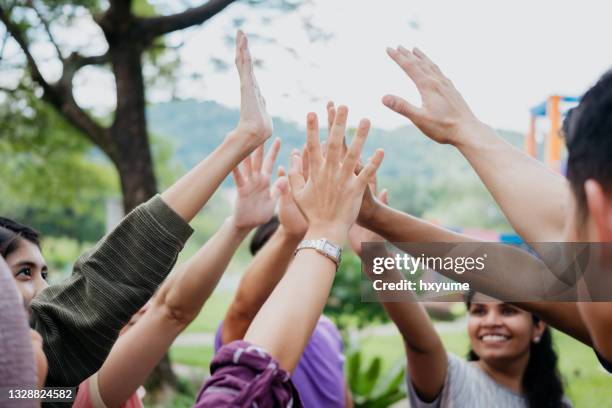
(466, 385)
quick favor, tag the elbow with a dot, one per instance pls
(176, 314)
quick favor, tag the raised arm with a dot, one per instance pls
(267, 267)
(180, 299)
(115, 279)
(396, 226)
(189, 194)
(427, 359)
(329, 200)
(530, 195)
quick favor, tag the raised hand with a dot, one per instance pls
(331, 196)
(358, 234)
(444, 116)
(255, 125)
(289, 214)
(256, 202)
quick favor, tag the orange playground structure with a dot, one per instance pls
(549, 150)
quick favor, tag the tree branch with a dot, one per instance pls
(20, 39)
(47, 28)
(60, 95)
(156, 26)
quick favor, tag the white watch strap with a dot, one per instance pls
(324, 247)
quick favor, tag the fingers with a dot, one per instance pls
(331, 115)
(371, 167)
(268, 164)
(305, 163)
(354, 152)
(334, 142)
(409, 63)
(238, 179)
(282, 183)
(243, 55)
(313, 144)
(427, 62)
(402, 106)
(296, 178)
(258, 158)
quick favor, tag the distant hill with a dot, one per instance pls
(425, 178)
(196, 128)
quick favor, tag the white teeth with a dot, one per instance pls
(494, 338)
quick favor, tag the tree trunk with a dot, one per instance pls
(133, 154)
(129, 130)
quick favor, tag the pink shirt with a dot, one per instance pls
(88, 396)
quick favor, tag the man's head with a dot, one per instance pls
(588, 130)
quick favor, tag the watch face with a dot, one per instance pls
(331, 249)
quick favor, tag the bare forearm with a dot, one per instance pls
(530, 195)
(184, 293)
(286, 320)
(189, 194)
(397, 226)
(511, 274)
(261, 277)
(425, 352)
(177, 303)
(563, 316)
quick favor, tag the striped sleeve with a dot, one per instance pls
(79, 319)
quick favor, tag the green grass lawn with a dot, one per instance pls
(211, 315)
(587, 385)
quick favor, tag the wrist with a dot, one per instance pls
(239, 143)
(290, 237)
(368, 219)
(239, 230)
(335, 233)
(469, 132)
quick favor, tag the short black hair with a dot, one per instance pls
(588, 132)
(10, 233)
(263, 234)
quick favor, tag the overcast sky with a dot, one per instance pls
(504, 56)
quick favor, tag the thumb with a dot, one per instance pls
(401, 106)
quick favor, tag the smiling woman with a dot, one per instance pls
(20, 247)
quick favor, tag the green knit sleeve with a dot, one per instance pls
(79, 319)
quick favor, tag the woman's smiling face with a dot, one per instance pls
(500, 331)
(28, 268)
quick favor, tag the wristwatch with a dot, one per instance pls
(324, 247)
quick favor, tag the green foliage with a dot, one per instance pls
(370, 386)
(344, 304)
(50, 179)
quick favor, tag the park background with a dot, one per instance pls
(64, 176)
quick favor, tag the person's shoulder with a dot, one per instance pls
(326, 328)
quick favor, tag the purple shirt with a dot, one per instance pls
(245, 376)
(319, 375)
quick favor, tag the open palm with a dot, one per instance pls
(256, 201)
(255, 122)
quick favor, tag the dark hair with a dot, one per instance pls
(263, 234)
(588, 133)
(541, 383)
(10, 233)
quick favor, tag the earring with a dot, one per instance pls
(536, 339)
